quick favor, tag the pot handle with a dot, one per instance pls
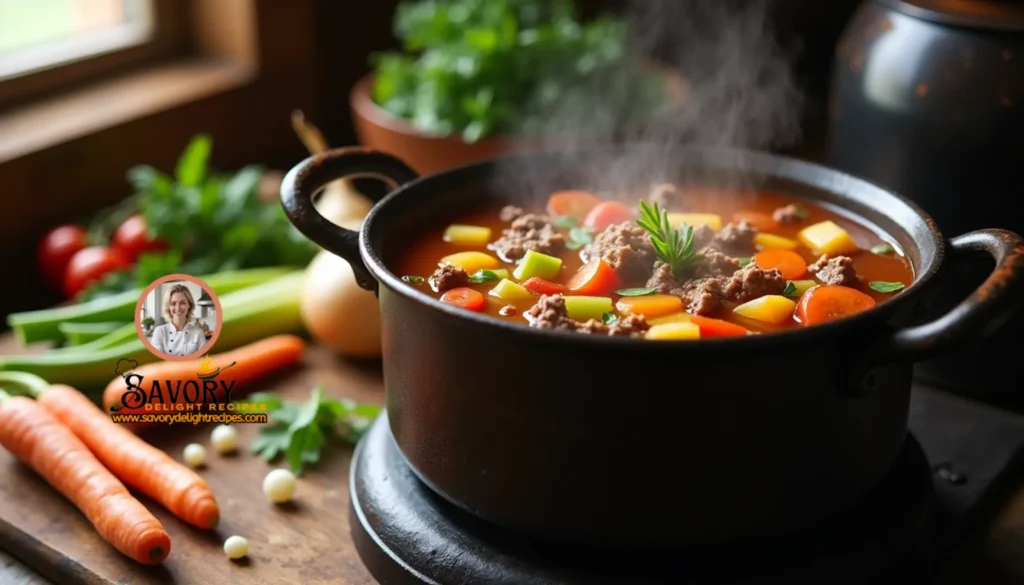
(980, 314)
(306, 179)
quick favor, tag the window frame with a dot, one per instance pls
(168, 38)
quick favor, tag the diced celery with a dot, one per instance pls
(695, 219)
(827, 238)
(774, 309)
(771, 241)
(500, 272)
(507, 290)
(467, 235)
(674, 331)
(683, 317)
(802, 286)
(536, 264)
(584, 308)
(471, 261)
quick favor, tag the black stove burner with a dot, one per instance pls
(407, 535)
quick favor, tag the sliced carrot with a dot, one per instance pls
(717, 327)
(251, 363)
(465, 298)
(594, 278)
(762, 221)
(134, 461)
(828, 302)
(543, 287)
(576, 204)
(38, 439)
(607, 213)
(650, 306)
(789, 263)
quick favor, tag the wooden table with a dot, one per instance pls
(996, 556)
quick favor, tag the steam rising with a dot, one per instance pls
(740, 91)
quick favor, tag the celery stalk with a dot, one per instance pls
(118, 336)
(44, 325)
(250, 314)
(80, 333)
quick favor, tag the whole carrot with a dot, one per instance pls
(134, 461)
(42, 442)
(238, 368)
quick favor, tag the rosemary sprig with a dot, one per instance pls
(673, 246)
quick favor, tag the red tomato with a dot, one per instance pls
(543, 287)
(55, 251)
(91, 264)
(131, 239)
(606, 214)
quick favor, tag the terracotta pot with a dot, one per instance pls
(428, 154)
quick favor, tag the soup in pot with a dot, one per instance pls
(678, 264)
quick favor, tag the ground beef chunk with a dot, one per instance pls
(703, 297)
(626, 247)
(510, 213)
(735, 239)
(447, 277)
(703, 235)
(528, 232)
(752, 282)
(715, 263)
(630, 325)
(550, 313)
(787, 214)
(838, 270)
(667, 196)
(662, 280)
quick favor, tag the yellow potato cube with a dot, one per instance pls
(774, 309)
(771, 241)
(695, 219)
(674, 331)
(683, 317)
(471, 261)
(510, 291)
(827, 238)
(467, 235)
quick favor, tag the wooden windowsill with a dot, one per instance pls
(113, 102)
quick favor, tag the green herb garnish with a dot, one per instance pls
(609, 318)
(301, 430)
(635, 292)
(413, 279)
(564, 221)
(881, 249)
(579, 237)
(886, 287)
(801, 211)
(744, 261)
(673, 246)
(483, 276)
(790, 289)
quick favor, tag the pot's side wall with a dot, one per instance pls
(524, 434)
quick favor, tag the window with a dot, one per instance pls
(49, 44)
(43, 33)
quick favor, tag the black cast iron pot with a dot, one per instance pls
(625, 442)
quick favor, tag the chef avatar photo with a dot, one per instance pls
(178, 317)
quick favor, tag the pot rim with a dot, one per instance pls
(782, 167)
